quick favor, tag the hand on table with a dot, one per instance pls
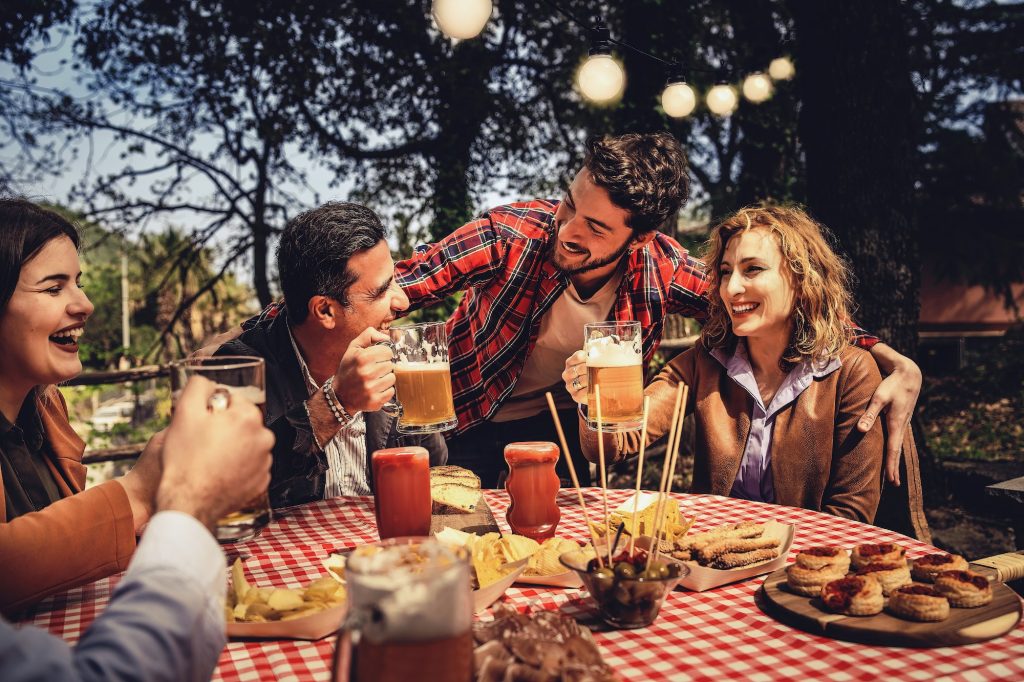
(575, 376)
(365, 379)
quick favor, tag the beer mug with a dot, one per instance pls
(410, 613)
(615, 363)
(423, 378)
(242, 376)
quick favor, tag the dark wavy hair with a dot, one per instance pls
(644, 173)
(313, 254)
(25, 229)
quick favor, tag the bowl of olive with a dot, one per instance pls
(628, 593)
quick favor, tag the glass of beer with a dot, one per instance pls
(615, 363)
(410, 613)
(423, 378)
(242, 376)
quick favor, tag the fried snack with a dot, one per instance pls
(858, 595)
(492, 553)
(809, 581)
(713, 550)
(248, 604)
(674, 525)
(740, 559)
(545, 560)
(885, 553)
(890, 576)
(919, 602)
(964, 589)
(834, 559)
(927, 567)
(744, 530)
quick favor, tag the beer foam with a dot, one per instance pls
(610, 351)
(412, 593)
(404, 366)
(256, 396)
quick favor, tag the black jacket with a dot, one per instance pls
(299, 470)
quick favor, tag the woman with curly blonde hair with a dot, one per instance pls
(775, 386)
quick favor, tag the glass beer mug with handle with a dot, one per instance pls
(410, 613)
(615, 363)
(423, 378)
(243, 376)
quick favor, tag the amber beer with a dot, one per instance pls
(622, 393)
(425, 391)
(615, 363)
(241, 376)
(423, 378)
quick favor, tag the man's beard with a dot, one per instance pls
(586, 265)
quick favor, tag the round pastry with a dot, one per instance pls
(927, 567)
(964, 589)
(833, 558)
(919, 602)
(808, 581)
(885, 553)
(857, 595)
(890, 576)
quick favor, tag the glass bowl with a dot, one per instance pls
(625, 601)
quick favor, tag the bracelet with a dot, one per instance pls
(337, 409)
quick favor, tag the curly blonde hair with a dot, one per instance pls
(820, 280)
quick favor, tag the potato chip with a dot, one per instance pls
(248, 604)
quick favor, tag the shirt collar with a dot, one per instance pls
(28, 424)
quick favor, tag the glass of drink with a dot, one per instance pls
(615, 363)
(401, 491)
(410, 613)
(240, 376)
(532, 486)
(423, 378)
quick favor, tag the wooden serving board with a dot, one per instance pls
(964, 626)
(479, 522)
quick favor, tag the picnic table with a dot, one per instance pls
(713, 635)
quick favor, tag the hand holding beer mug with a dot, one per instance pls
(423, 378)
(615, 363)
(234, 375)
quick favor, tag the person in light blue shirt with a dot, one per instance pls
(165, 620)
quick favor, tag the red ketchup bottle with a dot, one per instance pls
(532, 486)
(401, 491)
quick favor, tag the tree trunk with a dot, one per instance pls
(857, 126)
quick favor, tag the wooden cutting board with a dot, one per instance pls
(964, 626)
(479, 522)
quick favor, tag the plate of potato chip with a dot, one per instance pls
(312, 612)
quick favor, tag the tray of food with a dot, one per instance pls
(280, 613)
(872, 594)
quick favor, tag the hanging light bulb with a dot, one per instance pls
(601, 78)
(722, 99)
(781, 69)
(757, 87)
(461, 19)
(678, 99)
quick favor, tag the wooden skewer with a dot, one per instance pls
(572, 472)
(659, 508)
(639, 471)
(675, 456)
(604, 473)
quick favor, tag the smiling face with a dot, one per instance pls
(591, 231)
(756, 287)
(374, 299)
(44, 318)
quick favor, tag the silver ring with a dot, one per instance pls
(219, 400)
(576, 383)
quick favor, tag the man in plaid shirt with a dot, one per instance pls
(532, 273)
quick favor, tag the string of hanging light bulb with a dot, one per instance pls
(601, 78)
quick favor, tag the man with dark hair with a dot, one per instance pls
(535, 272)
(328, 374)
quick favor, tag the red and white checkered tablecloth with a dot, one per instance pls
(714, 635)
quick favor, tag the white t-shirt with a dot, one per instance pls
(560, 335)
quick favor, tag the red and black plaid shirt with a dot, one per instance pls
(501, 261)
